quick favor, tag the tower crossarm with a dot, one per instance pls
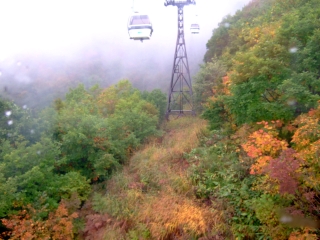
(179, 2)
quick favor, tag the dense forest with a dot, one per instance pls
(101, 163)
(49, 161)
(259, 90)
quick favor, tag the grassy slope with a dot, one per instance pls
(152, 197)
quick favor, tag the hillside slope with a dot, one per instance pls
(250, 170)
(259, 90)
(152, 197)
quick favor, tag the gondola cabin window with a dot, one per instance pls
(140, 27)
(140, 20)
(195, 28)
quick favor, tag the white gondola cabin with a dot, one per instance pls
(139, 27)
(195, 28)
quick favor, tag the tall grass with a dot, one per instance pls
(153, 193)
(169, 215)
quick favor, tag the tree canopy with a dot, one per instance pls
(54, 156)
(259, 91)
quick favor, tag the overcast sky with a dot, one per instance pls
(61, 27)
(42, 41)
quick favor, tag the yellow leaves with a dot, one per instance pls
(263, 145)
(251, 35)
(226, 83)
(307, 132)
(305, 234)
(272, 126)
(304, 142)
(266, 184)
(260, 164)
(149, 109)
(222, 88)
(311, 179)
(310, 155)
(173, 214)
(311, 152)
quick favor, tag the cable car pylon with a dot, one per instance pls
(180, 92)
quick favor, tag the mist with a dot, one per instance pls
(47, 48)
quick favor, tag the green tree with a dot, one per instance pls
(158, 99)
(208, 81)
(98, 128)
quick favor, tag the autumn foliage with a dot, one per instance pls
(25, 226)
(262, 70)
(263, 145)
(254, 173)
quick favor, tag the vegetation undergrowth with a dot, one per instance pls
(259, 91)
(152, 197)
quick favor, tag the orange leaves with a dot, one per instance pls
(306, 234)
(263, 146)
(273, 157)
(307, 132)
(61, 223)
(306, 141)
(259, 166)
(58, 226)
(310, 155)
(226, 82)
(312, 113)
(222, 88)
(251, 35)
(262, 143)
(21, 225)
(291, 167)
(272, 126)
(100, 142)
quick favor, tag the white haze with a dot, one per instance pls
(67, 33)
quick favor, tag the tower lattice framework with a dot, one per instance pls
(180, 91)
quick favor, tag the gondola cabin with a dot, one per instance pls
(139, 27)
(195, 28)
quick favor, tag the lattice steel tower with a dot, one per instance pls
(180, 92)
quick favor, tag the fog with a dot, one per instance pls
(46, 47)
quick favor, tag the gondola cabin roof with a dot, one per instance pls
(139, 19)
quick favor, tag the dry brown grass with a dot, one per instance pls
(181, 135)
(154, 188)
(169, 215)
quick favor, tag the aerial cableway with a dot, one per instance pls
(180, 92)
